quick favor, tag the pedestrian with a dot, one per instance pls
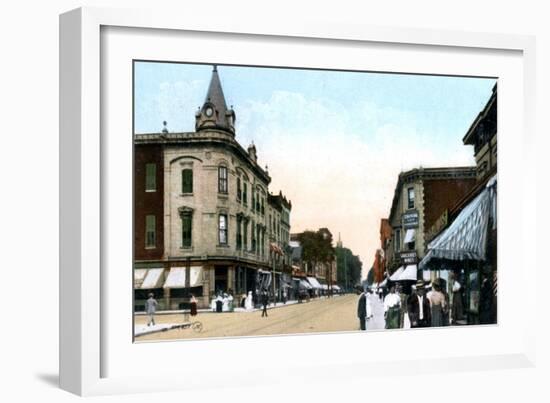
(219, 303)
(364, 310)
(265, 301)
(193, 305)
(457, 311)
(225, 302)
(437, 303)
(151, 307)
(230, 304)
(486, 313)
(392, 309)
(418, 307)
(248, 305)
(381, 294)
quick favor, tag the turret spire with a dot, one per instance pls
(214, 114)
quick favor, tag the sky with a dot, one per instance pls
(334, 142)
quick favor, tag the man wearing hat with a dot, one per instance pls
(418, 307)
(151, 308)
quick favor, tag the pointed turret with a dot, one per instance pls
(214, 113)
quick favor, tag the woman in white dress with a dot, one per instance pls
(248, 301)
(225, 300)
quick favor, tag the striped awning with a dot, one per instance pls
(466, 237)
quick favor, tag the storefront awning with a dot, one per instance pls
(405, 273)
(139, 276)
(466, 237)
(153, 279)
(336, 287)
(305, 284)
(410, 273)
(314, 283)
(409, 236)
(176, 277)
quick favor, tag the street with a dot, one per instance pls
(319, 315)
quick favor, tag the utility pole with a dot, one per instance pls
(187, 289)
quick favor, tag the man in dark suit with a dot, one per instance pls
(419, 308)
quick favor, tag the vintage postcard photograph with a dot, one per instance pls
(276, 201)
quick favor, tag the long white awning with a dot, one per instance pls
(466, 237)
(153, 279)
(305, 284)
(314, 283)
(397, 274)
(409, 236)
(336, 287)
(176, 277)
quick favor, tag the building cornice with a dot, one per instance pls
(210, 138)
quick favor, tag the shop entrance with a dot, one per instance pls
(220, 279)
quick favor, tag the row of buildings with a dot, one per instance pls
(205, 220)
(442, 224)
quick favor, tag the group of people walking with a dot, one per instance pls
(222, 303)
(419, 309)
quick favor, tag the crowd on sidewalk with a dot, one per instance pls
(421, 308)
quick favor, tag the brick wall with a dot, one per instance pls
(148, 203)
(441, 194)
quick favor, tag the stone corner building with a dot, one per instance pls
(203, 206)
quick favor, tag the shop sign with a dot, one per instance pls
(410, 219)
(408, 257)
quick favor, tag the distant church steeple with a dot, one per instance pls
(214, 113)
(339, 243)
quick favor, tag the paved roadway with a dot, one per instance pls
(324, 315)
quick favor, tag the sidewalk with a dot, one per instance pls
(239, 309)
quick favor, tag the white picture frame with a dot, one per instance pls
(83, 176)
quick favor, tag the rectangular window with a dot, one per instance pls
(150, 177)
(187, 181)
(253, 204)
(239, 240)
(245, 234)
(397, 244)
(239, 193)
(263, 208)
(245, 194)
(150, 231)
(222, 179)
(222, 229)
(186, 230)
(410, 197)
(253, 234)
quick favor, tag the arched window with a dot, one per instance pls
(187, 181)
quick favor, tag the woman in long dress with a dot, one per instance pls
(225, 303)
(438, 304)
(193, 306)
(248, 301)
